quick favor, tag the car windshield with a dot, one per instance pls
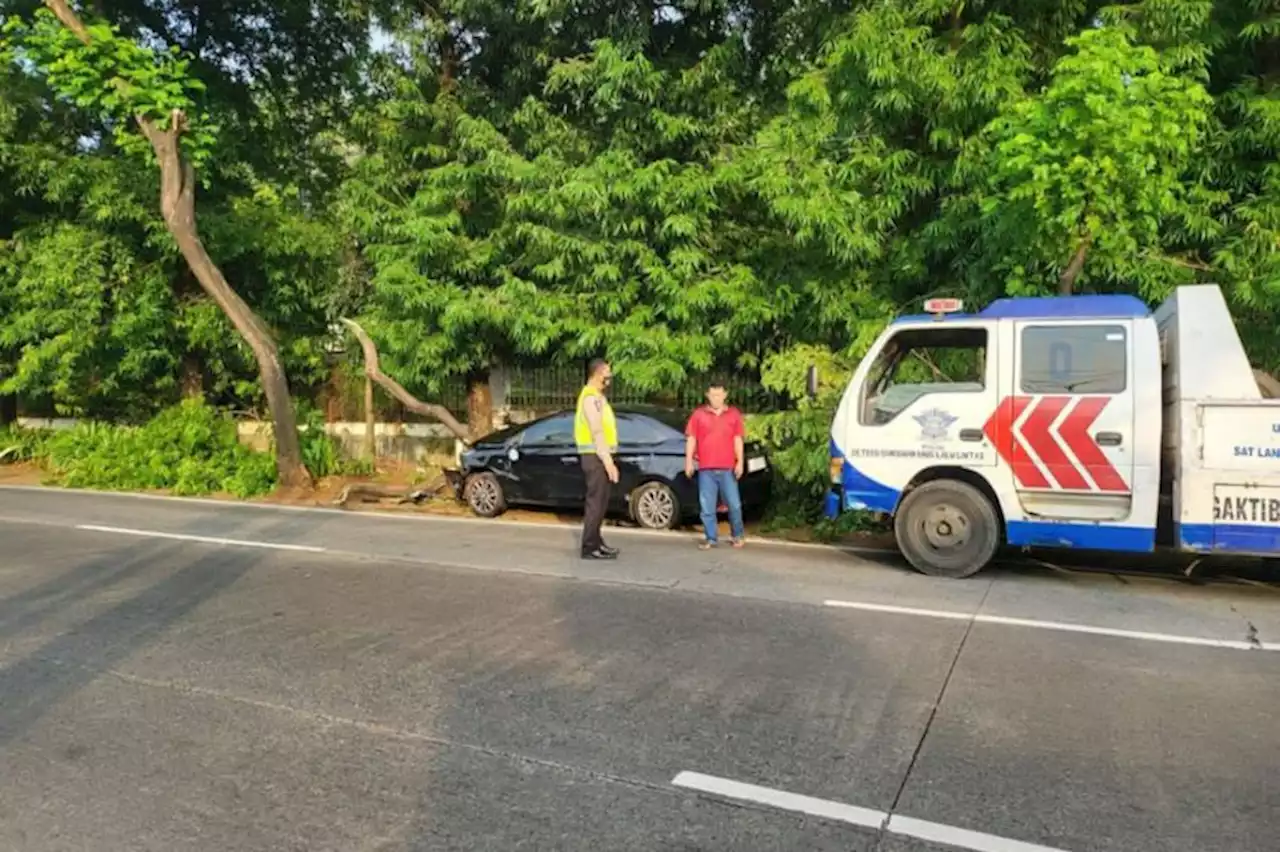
(503, 435)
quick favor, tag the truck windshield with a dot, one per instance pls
(918, 362)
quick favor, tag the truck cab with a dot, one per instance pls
(1035, 422)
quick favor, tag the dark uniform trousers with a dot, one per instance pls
(597, 502)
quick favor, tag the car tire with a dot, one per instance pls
(947, 528)
(483, 493)
(655, 506)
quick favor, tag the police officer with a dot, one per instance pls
(595, 430)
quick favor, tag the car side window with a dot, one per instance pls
(553, 432)
(637, 429)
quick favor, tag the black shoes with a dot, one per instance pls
(604, 551)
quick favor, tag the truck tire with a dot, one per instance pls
(947, 528)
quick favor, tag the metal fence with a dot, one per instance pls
(543, 389)
(551, 388)
(534, 389)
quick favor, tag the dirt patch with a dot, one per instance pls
(21, 473)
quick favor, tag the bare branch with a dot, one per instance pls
(1183, 262)
(70, 20)
(391, 386)
(372, 492)
(1067, 282)
(1267, 384)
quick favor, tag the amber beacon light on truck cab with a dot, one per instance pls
(1075, 421)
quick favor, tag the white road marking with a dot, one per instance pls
(934, 832)
(978, 618)
(550, 526)
(865, 817)
(962, 838)
(203, 539)
(901, 610)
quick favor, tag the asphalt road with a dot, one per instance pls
(191, 676)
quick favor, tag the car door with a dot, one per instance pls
(639, 439)
(1073, 429)
(547, 463)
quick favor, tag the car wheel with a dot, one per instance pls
(947, 528)
(654, 506)
(483, 493)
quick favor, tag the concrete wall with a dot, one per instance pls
(411, 442)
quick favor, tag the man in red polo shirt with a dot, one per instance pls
(715, 445)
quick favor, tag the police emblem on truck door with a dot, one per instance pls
(934, 424)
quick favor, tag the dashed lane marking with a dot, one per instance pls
(933, 832)
(1063, 626)
(203, 539)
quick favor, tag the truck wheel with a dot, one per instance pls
(947, 528)
(483, 493)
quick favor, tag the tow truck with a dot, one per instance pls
(1085, 422)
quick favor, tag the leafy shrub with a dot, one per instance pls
(799, 441)
(188, 449)
(19, 445)
(321, 452)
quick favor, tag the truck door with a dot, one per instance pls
(1068, 419)
(919, 400)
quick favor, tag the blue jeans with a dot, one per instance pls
(722, 483)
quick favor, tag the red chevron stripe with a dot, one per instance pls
(1000, 432)
(1075, 434)
(1037, 434)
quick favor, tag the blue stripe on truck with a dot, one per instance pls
(1081, 535)
(861, 491)
(1229, 538)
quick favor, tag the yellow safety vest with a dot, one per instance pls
(582, 429)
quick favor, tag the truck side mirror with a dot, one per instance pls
(811, 382)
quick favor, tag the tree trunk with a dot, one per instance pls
(1067, 281)
(192, 378)
(8, 409)
(370, 422)
(1267, 384)
(177, 204)
(397, 391)
(479, 405)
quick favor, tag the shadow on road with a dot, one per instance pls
(615, 691)
(34, 684)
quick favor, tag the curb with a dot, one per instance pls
(758, 541)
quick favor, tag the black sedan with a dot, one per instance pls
(536, 464)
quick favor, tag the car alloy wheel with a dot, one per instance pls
(484, 495)
(655, 506)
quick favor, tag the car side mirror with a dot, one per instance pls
(811, 382)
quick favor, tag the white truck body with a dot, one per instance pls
(1086, 421)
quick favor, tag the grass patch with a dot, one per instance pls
(187, 450)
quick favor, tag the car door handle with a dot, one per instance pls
(1109, 439)
(970, 434)
(568, 460)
